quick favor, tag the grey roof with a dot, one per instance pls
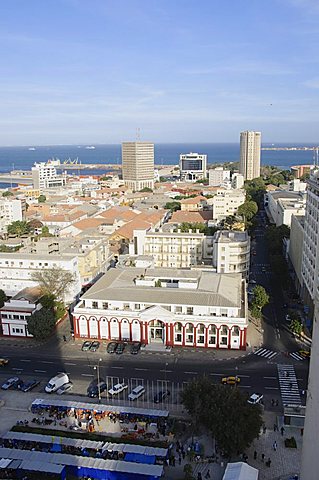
(98, 407)
(89, 462)
(32, 294)
(227, 236)
(216, 289)
(285, 194)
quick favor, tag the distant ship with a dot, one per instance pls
(31, 148)
(90, 147)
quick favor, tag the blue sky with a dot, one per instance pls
(92, 71)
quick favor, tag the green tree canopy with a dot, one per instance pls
(296, 326)
(224, 410)
(261, 297)
(41, 198)
(248, 209)
(7, 193)
(255, 189)
(3, 298)
(41, 323)
(18, 228)
(146, 189)
(45, 232)
(54, 281)
(172, 206)
(274, 236)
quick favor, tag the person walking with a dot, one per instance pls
(207, 474)
(255, 455)
(268, 463)
(274, 445)
(263, 457)
(282, 431)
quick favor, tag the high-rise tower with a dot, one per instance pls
(138, 165)
(250, 144)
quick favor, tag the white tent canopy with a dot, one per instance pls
(240, 471)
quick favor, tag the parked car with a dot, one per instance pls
(28, 386)
(94, 346)
(86, 346)
(10, 383)
(118, 388)
(95, 387)
(67, 387)
(111, 347)
(3, 362)
(136, 393)
(232, 380)
(120, 348)
(161, 396)
(135, 348)
(255, 398)
(57, 382)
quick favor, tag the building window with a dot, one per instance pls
(189, 310)
(212, 335)
(15, 317)
(178, 309)
(178, 335)
(105, 305)
(223, 335)
(235, 332)
(200, 338)
(126, 306)
(137, 306)
(95, 304)
(189, 333)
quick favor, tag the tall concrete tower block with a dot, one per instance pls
(249, 163)
(138, 165)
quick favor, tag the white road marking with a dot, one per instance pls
(217, 374)
(25, 360)
(141, 369)
(191, 373)
(17, 369)
(70, 364)
(44, 361)
(245, 386)
(118, 368)
(40, 371)
(167, 371)
(271, 388)
(87, 375)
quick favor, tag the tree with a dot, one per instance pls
(45, 232)
(41, 198)
(255, 189)
(7, 193)
(261, 297)
(41, 323)
(172, 206)
(54, 281)
(18, 228)
(146, 189)
(248, 209)
(225, 411)
(3, 298)
(296, 326)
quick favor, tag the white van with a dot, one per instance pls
(56, 382)
(137, 392)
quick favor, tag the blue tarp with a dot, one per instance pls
(56, 447)
(140, 458)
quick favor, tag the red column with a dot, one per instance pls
(206, 337)
(75, 325)
(146, 332)
(98, 328)
(229, 337)
(120, 329)
(243, 347)
(183, 335)
(88, 322)
(217, 337)
(109, 329)
(194, 334)
(171, 327)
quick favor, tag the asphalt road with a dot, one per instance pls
(257, 373)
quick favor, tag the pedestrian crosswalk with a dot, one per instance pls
(264, 352)
(288, 385)
(297, 356)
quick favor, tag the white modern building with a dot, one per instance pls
(16, 311)
(193, 166)
(237, 181)
(226, 203)
(281, 205)
(250, 146)
(231, 252)
(168, 307)
(11, 210)
(172, 248)
(218, 176)
(44, 175)
(138, 165)
(16, 271)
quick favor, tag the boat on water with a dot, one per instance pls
(90, 147)
(31, 148)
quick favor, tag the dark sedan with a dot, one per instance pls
(86, 346)
(120, 348)
(28, 386)
(94, 346)
(135, 348)
(111, 347)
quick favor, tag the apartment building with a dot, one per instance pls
(250, 147)
(138, 165)
(231, 252)
(11, 210)
(193, 204)
(166, 307)
(237, 181)
(44, 175)
(172, 248)
(226, 203)
(192, 166)
(15, 312)
(218, 176)
(16, 271)
(281, 205)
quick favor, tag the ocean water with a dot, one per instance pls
(14, 158)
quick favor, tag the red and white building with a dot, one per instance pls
(165, 306)
(15, 312)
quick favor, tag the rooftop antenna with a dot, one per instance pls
(138, 134)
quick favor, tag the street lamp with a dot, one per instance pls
(97, 368)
